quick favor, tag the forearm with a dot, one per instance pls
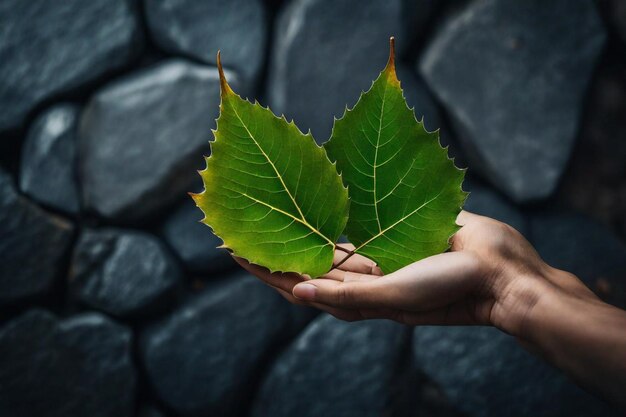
(584, 337)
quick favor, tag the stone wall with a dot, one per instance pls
(113, 300)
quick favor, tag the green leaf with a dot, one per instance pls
(405, 192)
(271, 194)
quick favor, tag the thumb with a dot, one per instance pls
(432, 282)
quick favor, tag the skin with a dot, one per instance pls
(491, 276)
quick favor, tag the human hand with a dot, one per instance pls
(491, 276)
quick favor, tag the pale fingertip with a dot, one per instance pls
(304, 291)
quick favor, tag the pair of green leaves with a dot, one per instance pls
(274, 197)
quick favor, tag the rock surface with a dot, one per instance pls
(326, 52)
(123, 273)
(336, 368)
(492, 67)
(487, 202)
(48, 169)
(595, 182)
(193, 242)
(577, 244)
(142, 138)
(484, 372)
(33, 245)
(150, 411)
(615, 13)
(47, 48)
(204, 357)
(200, 28)
(80, 366)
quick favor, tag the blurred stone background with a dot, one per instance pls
(113, 300)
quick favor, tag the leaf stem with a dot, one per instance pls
(341, 248)
(348, 256)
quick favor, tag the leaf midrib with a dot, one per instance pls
(380, 129)
(403, 218)
(302, 219)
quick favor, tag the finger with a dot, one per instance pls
(465, 216)
(283, 280)
(347, 246)
(430, 283)
(341, 275)
(289, 297)
(356, 263)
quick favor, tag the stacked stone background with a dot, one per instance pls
(113, 300)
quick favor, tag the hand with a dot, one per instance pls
(491, 276)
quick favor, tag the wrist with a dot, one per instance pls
(535, 302)
(516, 305)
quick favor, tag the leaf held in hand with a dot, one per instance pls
(271, 194)
(405, 192)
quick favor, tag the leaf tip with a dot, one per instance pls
(392, 52)
(225, 88)
(390, 69)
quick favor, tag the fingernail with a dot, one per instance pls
(304, 291)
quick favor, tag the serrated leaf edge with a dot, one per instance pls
(391, 64)
(226, 89)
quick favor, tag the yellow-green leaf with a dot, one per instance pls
(271, 194)
(405, 192)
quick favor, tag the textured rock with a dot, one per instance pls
(577, 244)
(200, 28)
(122, 272)
(326, 52)
(193, 242)
(203, 358)
(615, 11)
(48, 169)
(150, 411)
(47, 48)
(80, 366)
(336, 368)
(512, 77)
(595, 182)
(33, 244)
(142, 138)
(487, 202)
(484, 372)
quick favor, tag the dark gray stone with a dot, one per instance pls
(484, 372)
(326, 52)
(513, 77)
(577, 244)
(47, 48)
(487, 202)
(143, 137)
(123, 273)
(595, 182)
(200, 28)
(150, 411)
(615, 11)
(80, 366)
(33, 244)
(204, 357)
(48, 169)
(336, 368)
(194, 242)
